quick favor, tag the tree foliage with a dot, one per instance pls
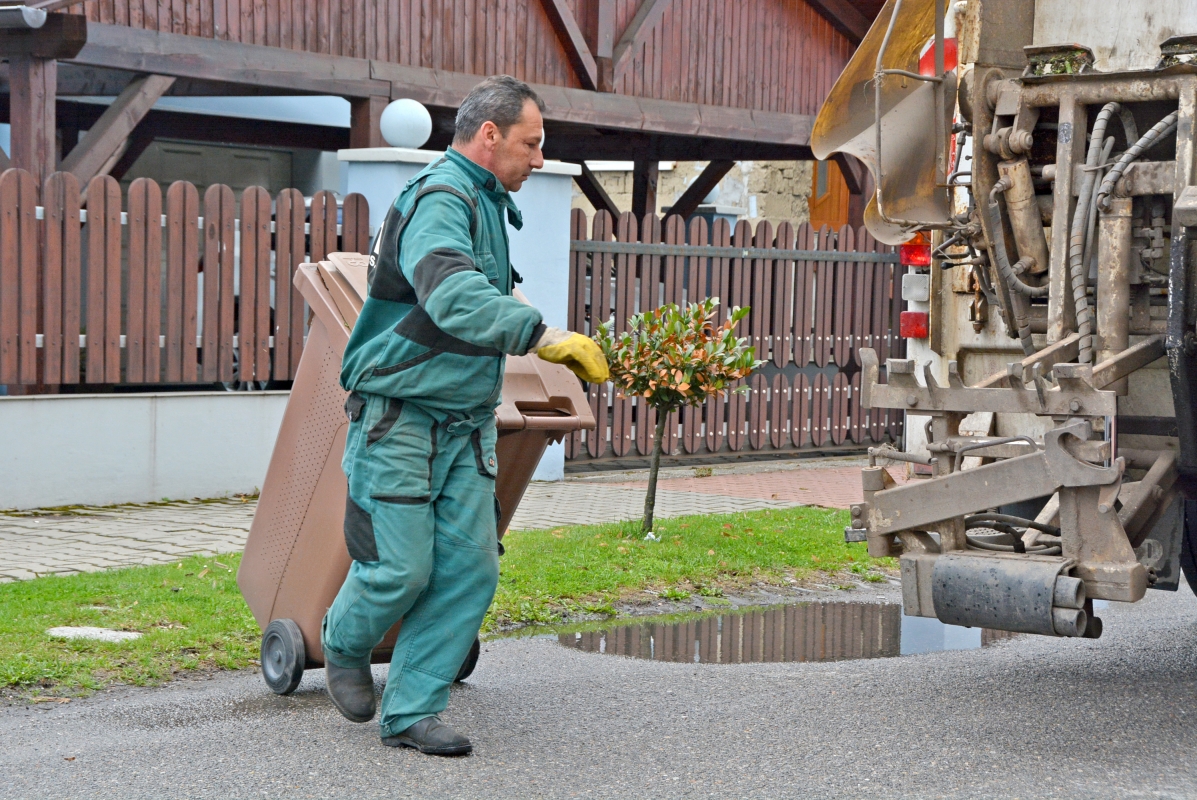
(674, 357)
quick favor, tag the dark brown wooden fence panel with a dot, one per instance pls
(355, 224)
(844, 290)
(103, 324)
(253, 312)
(136, 317)
(61, 279)
(288, 302)
(143, 314)
(14, 199)
(804, 291)
(324, 225)
(576, 313)
(696, 282)
(821, 306)
(648, 277)
(760, 273)
(625, 306)
(824, 308)
(217, 354)
(182, 282)
(602, 265)
(781, 326)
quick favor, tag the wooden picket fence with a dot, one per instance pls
(816, 295)
(93, 291)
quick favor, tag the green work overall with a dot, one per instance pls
(424, 367)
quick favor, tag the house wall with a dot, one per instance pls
(776, 191)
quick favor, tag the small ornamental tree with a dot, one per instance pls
(674, 357)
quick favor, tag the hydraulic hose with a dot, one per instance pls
(1077, 237)
(1161, 129)
(1019, 289)
(1014, 527)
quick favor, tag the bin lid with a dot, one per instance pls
(536, 394)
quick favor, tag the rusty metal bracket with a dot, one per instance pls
(904, 391)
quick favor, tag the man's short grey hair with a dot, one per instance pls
(499, 99)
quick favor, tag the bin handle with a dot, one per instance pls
(553, 423)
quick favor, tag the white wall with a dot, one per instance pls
(119, 448)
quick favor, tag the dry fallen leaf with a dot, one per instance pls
(51, 699)
(710, 552)
(622, 549)
(602, 544)
(68, 758)
(205, 572)
(726, 525)
(222, 566)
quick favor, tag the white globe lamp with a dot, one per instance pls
(405, 123)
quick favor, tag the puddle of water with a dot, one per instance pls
(803, 632)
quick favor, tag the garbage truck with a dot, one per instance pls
(1033, 161)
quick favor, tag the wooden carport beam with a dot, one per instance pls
(707, 180)
(571, 38)
(33, 84)
(594, 191)
(843, 17)
(852, 170)
(858, 181)
(646, 18)
(108, 139)
(644, 187)
(365, 115)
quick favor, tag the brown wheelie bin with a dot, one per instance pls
(295, 558)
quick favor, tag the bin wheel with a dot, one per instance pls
(283, 656)
(471, 661)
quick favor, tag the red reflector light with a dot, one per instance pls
(913, 324)
(915, 254)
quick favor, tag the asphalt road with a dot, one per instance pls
(1029, 717)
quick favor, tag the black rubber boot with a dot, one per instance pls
(433, 737)
(352, 691)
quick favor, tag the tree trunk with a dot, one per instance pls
(650, 499)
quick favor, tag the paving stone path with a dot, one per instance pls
(90, 539)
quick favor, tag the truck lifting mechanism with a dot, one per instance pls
(1048, 223)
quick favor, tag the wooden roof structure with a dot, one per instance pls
(639, 80)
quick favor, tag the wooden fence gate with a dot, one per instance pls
(162, 290)
(816, 298)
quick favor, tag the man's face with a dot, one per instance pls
(518, 153)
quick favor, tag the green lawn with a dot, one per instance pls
(548, 575)
(192, 615)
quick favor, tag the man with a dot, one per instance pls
(424, 367)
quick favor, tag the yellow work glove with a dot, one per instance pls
(582, 355)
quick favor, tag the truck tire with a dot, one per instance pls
(1188, 545)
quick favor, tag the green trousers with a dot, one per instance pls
(420, 526)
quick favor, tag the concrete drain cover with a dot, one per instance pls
(98, 634)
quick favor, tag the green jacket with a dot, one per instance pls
(439, 316)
